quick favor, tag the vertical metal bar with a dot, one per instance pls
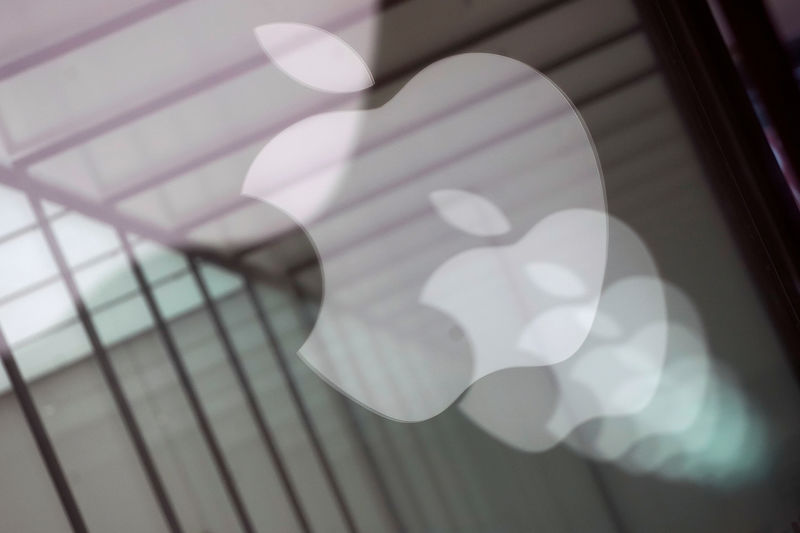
(417, 438)
(188, 387)
(43, 443)
(425, 459)
(407, 485)
(354, 423)
(422, 455)
(106, 367)
(302, 407)
(241, 375)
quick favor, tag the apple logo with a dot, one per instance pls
(642, 391)
(512, 301)
(465, 218)
(615, 372)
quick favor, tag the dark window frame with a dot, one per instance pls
(755, 199)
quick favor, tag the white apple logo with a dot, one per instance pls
(476, 141)
(641, 391)
(615, 372)
(522, 304)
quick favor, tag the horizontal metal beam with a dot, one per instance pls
(183, 92)
(593, 97)
(22, 181)
(83, 38)
(232, 204)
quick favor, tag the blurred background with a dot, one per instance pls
(151, 315)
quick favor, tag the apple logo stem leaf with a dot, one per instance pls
(470, 212)
(314, 57)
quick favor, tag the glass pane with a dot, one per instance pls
(135, 130)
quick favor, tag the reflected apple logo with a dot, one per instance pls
(530, 303)
(471, 201)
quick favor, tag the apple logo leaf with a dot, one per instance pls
(470, 212)
(314, 57)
